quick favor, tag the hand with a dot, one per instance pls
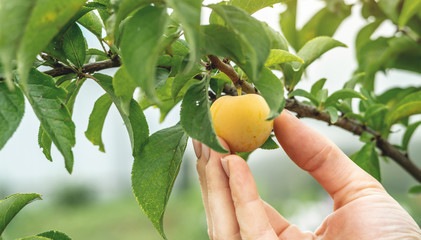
(362, 207)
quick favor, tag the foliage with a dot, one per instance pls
(168, 57)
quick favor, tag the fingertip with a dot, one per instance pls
(224, 144)
(225, 162)
(285, 119)
(197, 146)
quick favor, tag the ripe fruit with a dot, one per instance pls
(241, 121)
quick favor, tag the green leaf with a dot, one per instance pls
(44, 142)
(222, 76)
(182, 78)
(415, 190)
(45, 21)
(311, 51)
(251, 6)
(323, 23)
(13, 17)
(140, 47)
(367, 137)
(368, 160)
(365, 33)
(322, 95)
(304, 93)
(48, 103)
(72, 90)
(316, 47)
(188, 13)
(104, 13)
(217, 84)
(196, 118)
(317, 86)
(270, 144)
(408, 134)
(409, 9)
(161, 77)
(333, 114)
(88, 7)
(401, 52)
(55, 235)
(135, 121)
(164, 93)
(180, 48)
(277, 40)
(75, 46)
(346, 105)
(287, 22)
(245, 155)
(154, 171)
(10, 206)
(92, 22)
(221, 41)
(371, 8)
(95, 55)
(278, 56)
(272, 90)
(124, 88)
(342, 94)
(123, 9)
(390, 8)
(374, 111)
(409, 105)
(250, 30)
(97, 119)
(354, 115)
(12, 108)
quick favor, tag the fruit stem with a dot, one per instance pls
(239, 91)
(232, 74)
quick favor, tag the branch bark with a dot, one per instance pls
(87, 68)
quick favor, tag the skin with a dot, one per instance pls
(241, 121)
(362, 208)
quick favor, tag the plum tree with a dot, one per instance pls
(241, 121)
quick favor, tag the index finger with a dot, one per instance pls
(314, 153)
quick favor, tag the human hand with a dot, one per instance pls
(362, 208)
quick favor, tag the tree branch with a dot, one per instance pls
(357, 128)
(351, 125)
(87, 68)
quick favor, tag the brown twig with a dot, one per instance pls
(87, 68)
(232, 74)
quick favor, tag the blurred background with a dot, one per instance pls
(96, 201)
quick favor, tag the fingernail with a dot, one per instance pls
(224, 163)
(197, 148)
(205, 152)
